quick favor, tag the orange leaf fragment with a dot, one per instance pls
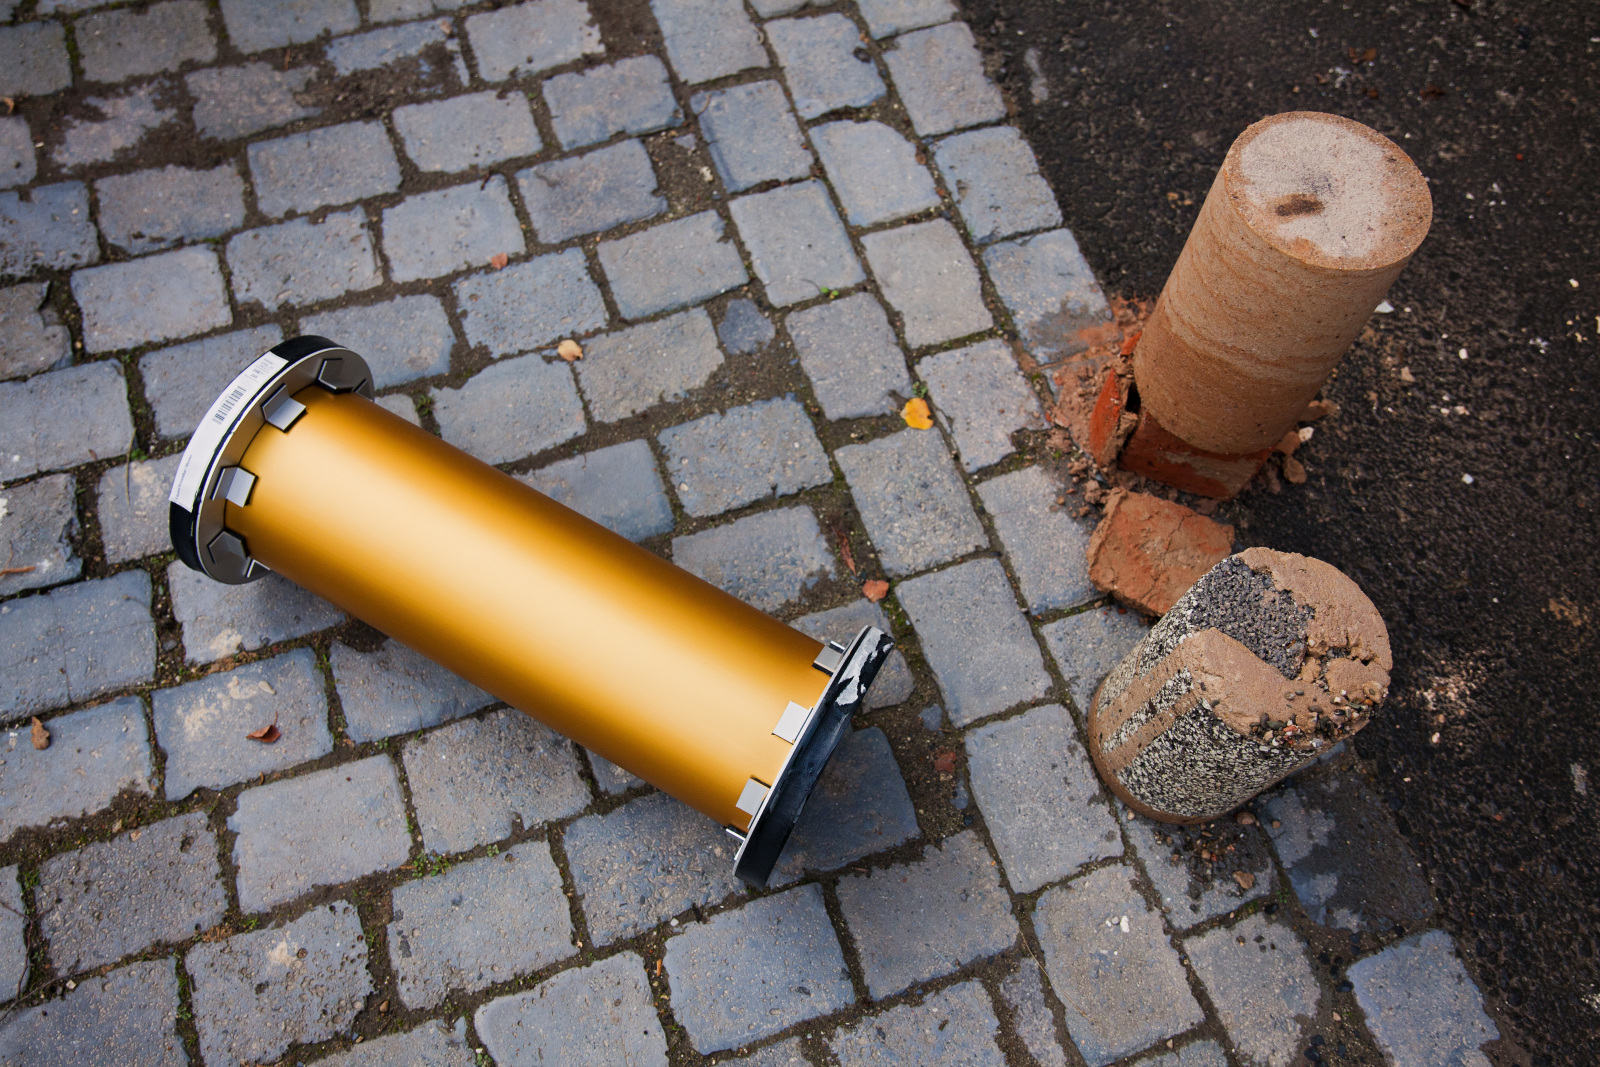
(569, 350)
(499, 260)
(917, 414)
(41, 736)
(875, 590)
(945, 762)
(267, 734)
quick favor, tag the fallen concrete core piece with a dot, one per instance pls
(1269, 660)
(1147, 551)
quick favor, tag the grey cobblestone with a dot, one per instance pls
(874, 170)
(744, 328)
(183, 381)
(982, 398)
(925, 274)
(724, 461)
(406, 338)
(512, 409)
(397, 691)
(433, 1044)
(442, 232)
(1040, 798)
(1128, 988)
(478, 924)
(796, 242)
(254, 26)
(529, 37)
(610, 778)
(601, 1013)
(37, 523)
(219, 620)
(530, 304)
(124, 120)
(1196, 1054)
(925, 919)
(234, 102)
(331, 165)
(1087, 645)
(672, 265)
(888, 17)
(766, 559)
(630, 96)
(116, 45)
(303, 262)
(708, 39)
(772, 8)
(1046, 545)
(94, 754)
(997, 184)
(1023, 991)
(155, 209)
(391, 44)
(467, 131)
(156, 298)
(110, 899)
(256, 994)
(849, 352)
(33, 57)
(391, 10)
(762, 968)
(1421, 1004)
(616, 486)
(1051, 293)
(975, 638)
(32, 337)
(841, 624)
(1193, 891)
(592, 192)
(1257, 975)
(626, 372)
(963, 1035)
(401, 405)
(939, 73)
(75, 643)
(824, 63)
(320, 829)
(51, 230)
(859, 806)
(751, 135)
(783, 1054)
(13, 936)
(202, 724)
(911, 500)
(18, 164)
(127, 1017)
(477, 781)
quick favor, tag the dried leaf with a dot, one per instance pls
(499, 260)
(1246, 880)
(917, 414)
(41, 736)
(267, 734)
(875, 590)
(843, 537)
(945, 762)
(569, 350)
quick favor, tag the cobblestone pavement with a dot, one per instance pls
(768, 225)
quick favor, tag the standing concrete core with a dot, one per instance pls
(1309, 221)
(1266, 662)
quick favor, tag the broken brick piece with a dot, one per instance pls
(1162, 456)
(1147, 552)
(1111, 422)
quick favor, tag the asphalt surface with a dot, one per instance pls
(1489, 586)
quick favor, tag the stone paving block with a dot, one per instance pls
(512, 409)
(1039, 795)
(796, 242)
(976, 639)
(219, 620)
(874, 170)
(921, 920)
(33, 59)
(602, 1013)
(1193, 889)
(761, 968)
(234, 102)
(588, 193)
(610, 778)
(783, 1054)
(319, 829)
(894, 683)
(954, 1027)
(526, 38)
(304, 262)
(1421, 1004)
(467, 131)
(75, 643)
(477, 781)
(723, 461)
(1045, 544)
(32, 337)
(124, 121)
(1197, 1054)
(766, 559)
(860, 806)
(980, 395)
(380, 48)
(331, 165)
(183, 381)
(114, 46)
(13, 936)
(202, 724)
(478, 924)
(925, 274)
(996, 182)
(1087, 645)
(390, 10)
(773, 8)
(256, 994)
(1262, 985)
(824, 63)
(94, 754)
(406, 338)
(1124, 985)
(1023, 992)
(254, 25)
(849, 351)
(647, 861)
(1051, 293)
(626, 372)
(528, 305)
(397, 691)
(616, 486)
(444, 231)
(110, 899)
(18, 164)
(156, 298)
(751, 135)
(630, 96)
(50, 230)
(886, 18)
(37, 523)
(155, 209)
(939, 73)
(402, 405)
(708, 39)
(672, 265)
(433, 1044)
(744, 328)
(911, 500)
(128, 1017)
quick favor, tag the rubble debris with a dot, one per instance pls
(1147, 551)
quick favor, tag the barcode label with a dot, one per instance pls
(214, 427)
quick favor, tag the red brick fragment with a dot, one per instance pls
(1147, 552)
(1160, 455)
